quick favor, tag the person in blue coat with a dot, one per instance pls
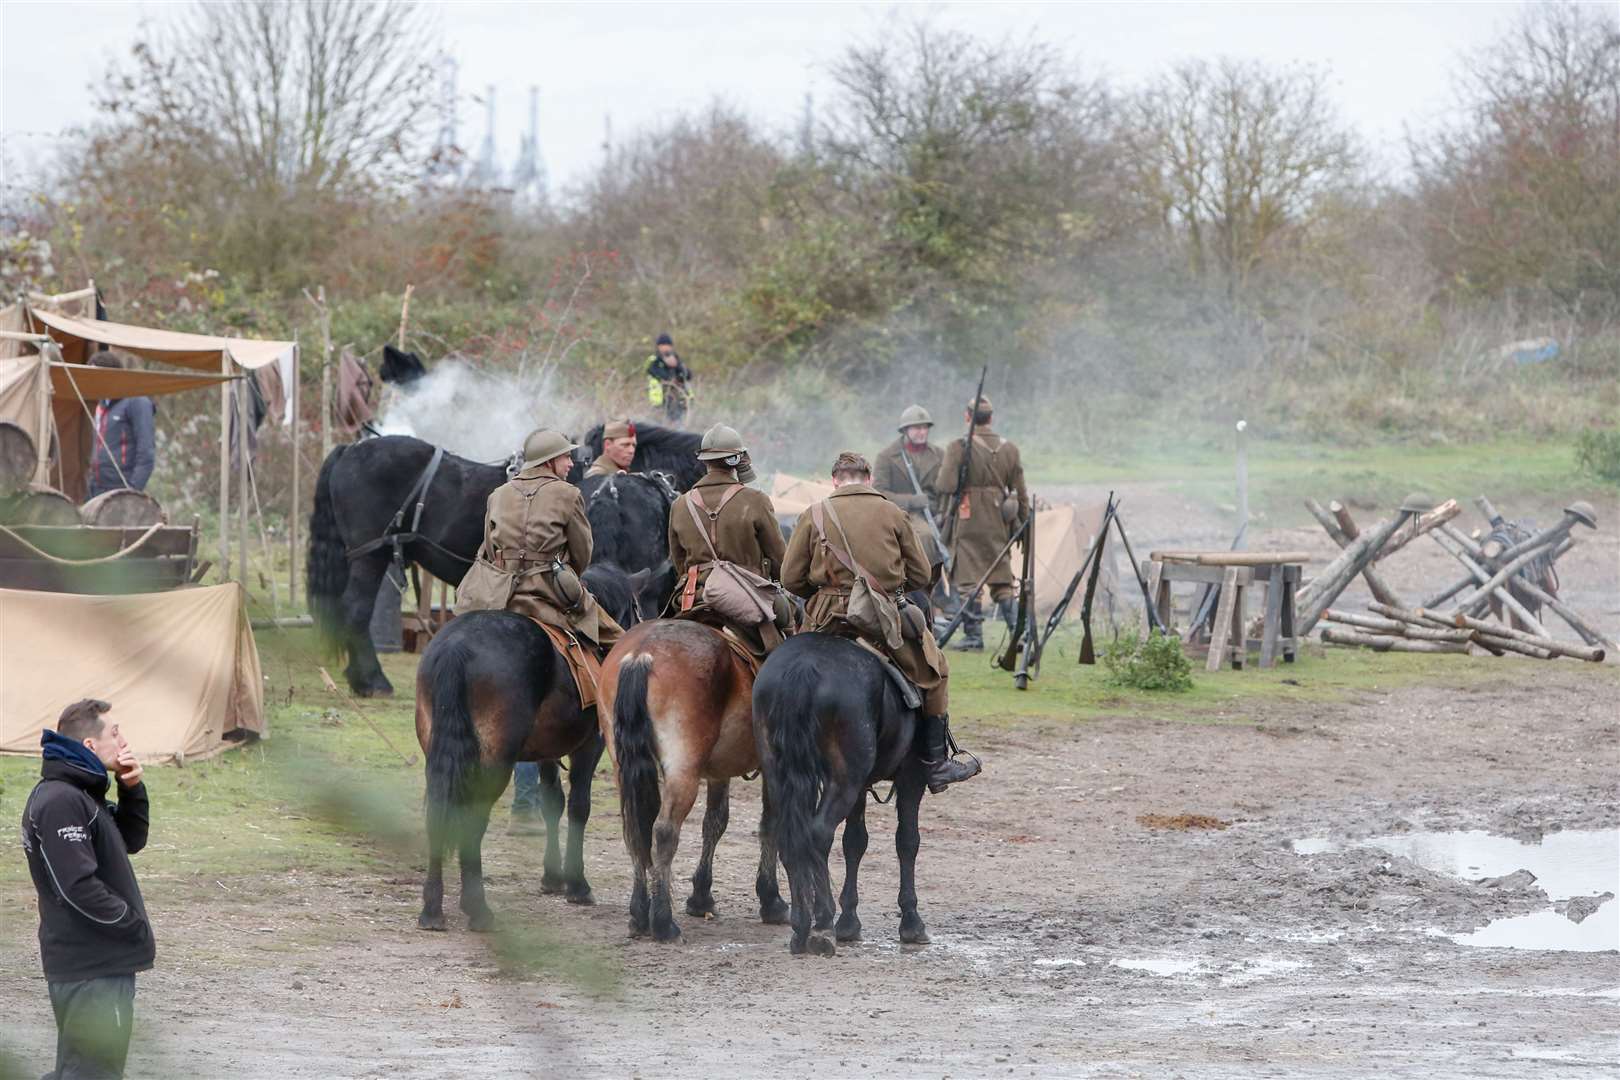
(124, 447)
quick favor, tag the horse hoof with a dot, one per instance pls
(425, 921)
(638, 929)
(850, 931)
(914, 935)
(702, 909)
(774, 913)
(551, 886)
(670, 935)
(820, 946)
(481, 922)
(581, 897)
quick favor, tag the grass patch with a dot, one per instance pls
(1282, 474)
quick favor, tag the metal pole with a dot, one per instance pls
(1242, 479)
(242, 479)
(225, 471)
(297, 466)
(326, 373)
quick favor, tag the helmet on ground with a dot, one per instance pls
(915, 416)
(720, 442)
(544, 445)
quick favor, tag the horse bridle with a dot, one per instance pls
(664, 482)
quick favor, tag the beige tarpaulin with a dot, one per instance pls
(197, 351)
(25, 400)
(180, 668)
(1063, 535)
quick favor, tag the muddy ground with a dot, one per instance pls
(1038, 883)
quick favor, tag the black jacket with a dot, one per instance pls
(125, 449)
(677, 372)
(92, 922)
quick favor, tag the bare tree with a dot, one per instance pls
(1232, 156)
(305, 97)
(1522, 195)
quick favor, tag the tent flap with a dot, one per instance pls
(180, 668)
(197, 351)
(95, 383)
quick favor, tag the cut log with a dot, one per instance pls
(1396, 628)
(1510, 645)
(1413, 616)
(1375, 584)
(1577, 622)
(1559, 648)
(1334, 636)
(1341, 514)
(1425, 523)
(1477, 573)
(1232, 558)
(1480, 598)
(1351, 561)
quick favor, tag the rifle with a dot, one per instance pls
(1147, 601)
(928, 511)
(1054, 620)
(1023, 632)
(961, 612)
(1088, 652)
(953, 513)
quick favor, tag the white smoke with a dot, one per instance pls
(478, 414)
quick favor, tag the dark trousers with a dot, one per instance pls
(526, 789)
(94, 1019)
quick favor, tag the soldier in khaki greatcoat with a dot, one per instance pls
(915, 489)
(876, 535)
(740, 522)
(993, 506)
(618, 449)
(535, 527)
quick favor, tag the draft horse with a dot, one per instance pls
(829, 722)
(677, 701)
(492, 690)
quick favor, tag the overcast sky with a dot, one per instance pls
(643, 63)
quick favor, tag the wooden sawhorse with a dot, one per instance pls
(1278, 575)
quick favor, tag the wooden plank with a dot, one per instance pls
(123, 576)
(1232, 558)
(1158, 590)
(1273, 625)
(93, 541)
(1290, 613)
(1222, 634)
(1240, 618)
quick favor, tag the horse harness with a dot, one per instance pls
(397, 536)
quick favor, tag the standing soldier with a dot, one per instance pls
(723, 519)
(618, 449)
(668, 380)
(907, 471)
(993, 504)
(535, 527)
(875, 535)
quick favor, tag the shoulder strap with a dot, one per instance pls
(847, 556)
(693, 501)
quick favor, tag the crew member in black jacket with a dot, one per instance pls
(93, 931)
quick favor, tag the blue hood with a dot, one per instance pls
(61, 748)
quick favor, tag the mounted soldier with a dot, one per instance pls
(537, 543)
(993, 503)
(854, 531)
(907, 471)
(618, 449)
(722, 520)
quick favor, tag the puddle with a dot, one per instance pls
(1167, 966)
(1576, 862)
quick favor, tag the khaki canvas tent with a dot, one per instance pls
(180, 668)
(1063, 535)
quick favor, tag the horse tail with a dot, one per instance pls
(327, 568)
(453, 752)
(637, 757)
(799, 771)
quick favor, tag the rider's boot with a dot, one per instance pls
(933, 738)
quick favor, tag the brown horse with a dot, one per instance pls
(677, 699)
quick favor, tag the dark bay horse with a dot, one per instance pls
(677, 703)
(829, 723)
(491, 691)
(629, 516)
(361, 491)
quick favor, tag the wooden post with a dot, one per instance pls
(1334, 527)
(1477, 574)
(404, 315)
(1351, 561)
(297, 470)
(242, 479)
(225, 471)
(1226, 618)
(1242, 480)
(326, 372)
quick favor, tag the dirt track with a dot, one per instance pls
(1036, 881)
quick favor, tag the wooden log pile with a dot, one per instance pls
(1496, 608)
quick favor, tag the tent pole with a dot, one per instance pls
(242, 479)
(224, 471)
(293, 510)
(326, 373)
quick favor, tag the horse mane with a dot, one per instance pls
(613, 591)
(400, 367)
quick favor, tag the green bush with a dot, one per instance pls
(1156, 663)
(1598, 452)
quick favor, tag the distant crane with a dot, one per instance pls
(446, 161)
(486, 171)
(529, 176)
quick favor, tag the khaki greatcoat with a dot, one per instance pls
(604, 466)
(994, 472)
(528, 522)
(884, 545)
(745, 532)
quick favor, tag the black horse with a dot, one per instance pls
(829, 723)
(629, 516)
(492, 690)
(367, 492)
